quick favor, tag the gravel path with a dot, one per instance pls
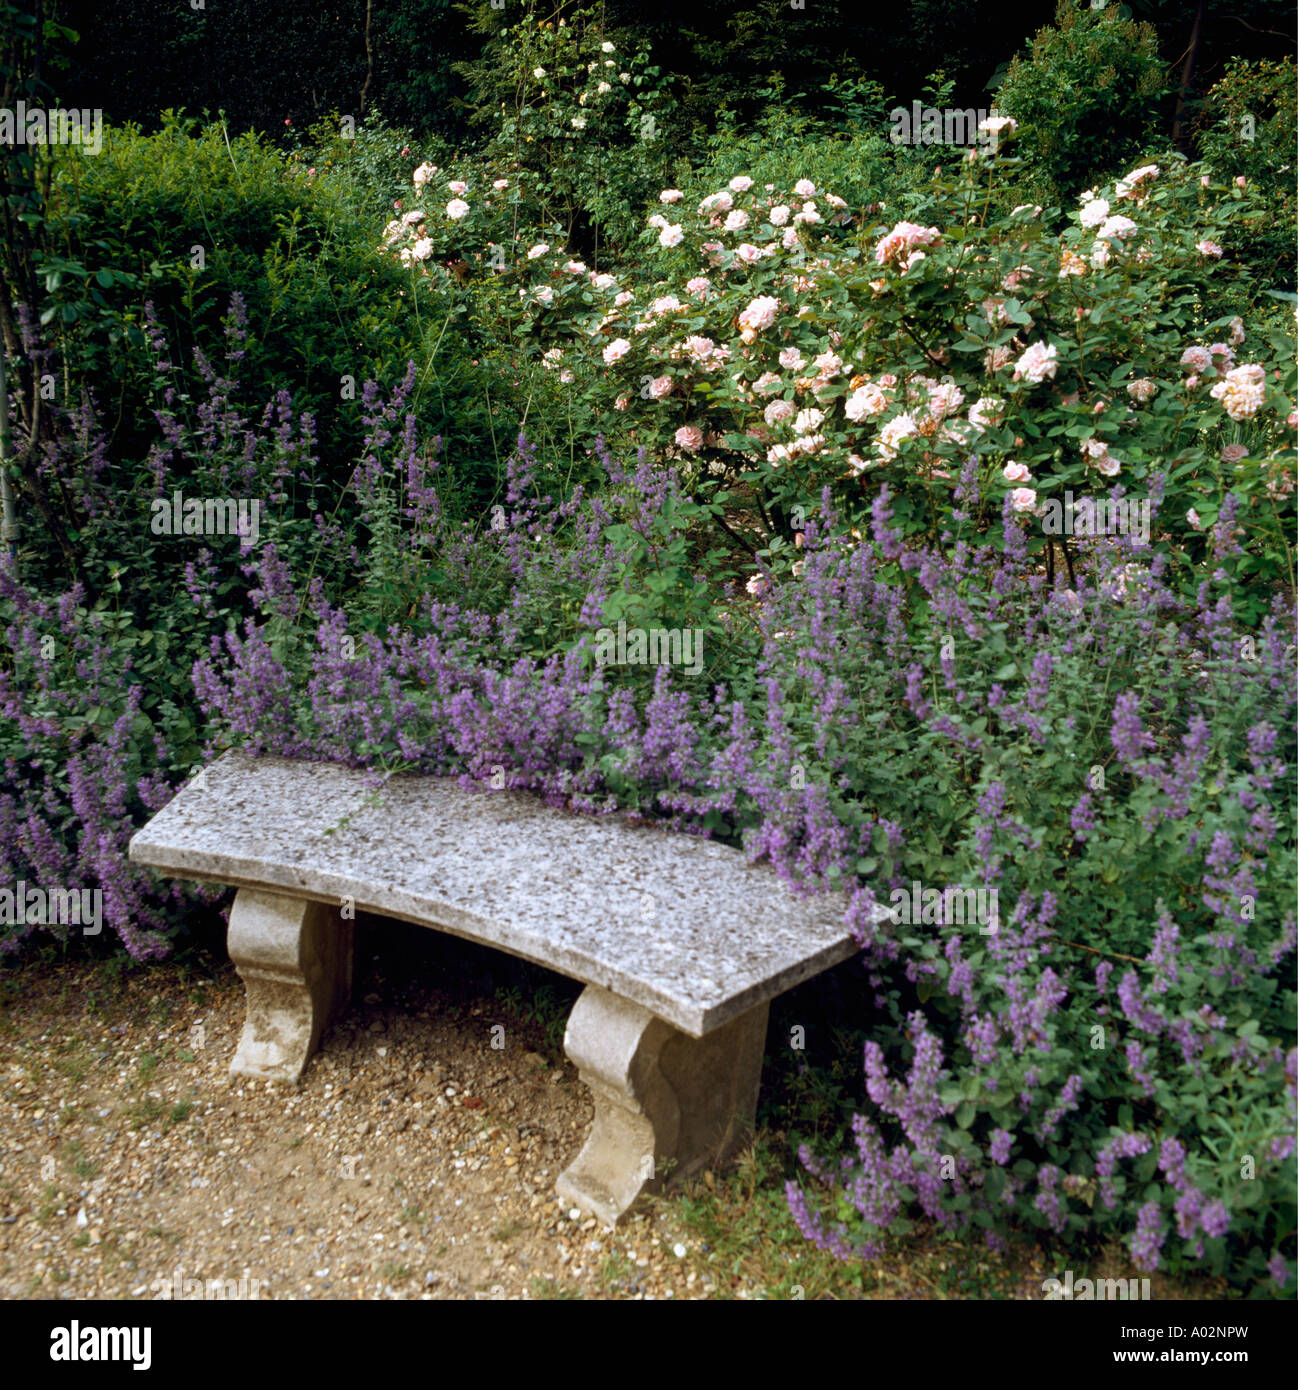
(415, 1159)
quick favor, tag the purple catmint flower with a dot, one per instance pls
(1215, 1219)
(1148, 1238)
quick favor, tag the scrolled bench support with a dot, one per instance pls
(295, 959)
(666, 1105)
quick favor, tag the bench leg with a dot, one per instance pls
(295, 959)
(666, 1105)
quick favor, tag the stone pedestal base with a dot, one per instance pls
(295, 959)
(666, 1105)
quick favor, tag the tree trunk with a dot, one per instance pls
(1180, 135)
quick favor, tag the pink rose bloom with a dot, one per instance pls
(716, 202)
(1199, 358)
(1130, 187)
(1232, 453)
(1023, 499)
(944, 399)
(456, 186)
(1120, 227)
(499, 184)
(760, 313)
(1038, 363)
(790, 238)
(622, 402)
(1142, 389)
(997, 358)
(665, 304)
(1292, 420)
(903, 238)
(1208, 248)
(1225, 352)
(1193, 518)
(736, 221)
(890, 436)
(1236, 331)
(671, 235)
(1108, 465)
(700, 285)
(603, 282)
(791, 359)
(767, 384)
(700, 349)
(778, 411)
(456, 209)
(986, 412)
(622, 298)
(779, 215)
(1094, 212)
(537, 251)
(659, 387)
(575, 268)
(748, 253)
(1016, 472)
(804, 188)
(1240, 181)
(616, 350)
(1242, 392)
(741, 184)
(670, 195)
(689, 437)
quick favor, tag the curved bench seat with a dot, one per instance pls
(680, 941)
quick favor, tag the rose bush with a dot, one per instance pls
(795, 342)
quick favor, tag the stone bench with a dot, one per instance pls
(681, 944)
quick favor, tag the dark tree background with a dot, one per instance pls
(299, 59)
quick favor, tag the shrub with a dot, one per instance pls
(1086, 98)
(212, 217)
(795, 342)
(1249, 128)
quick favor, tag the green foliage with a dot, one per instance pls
(1086, 97)
(585, 123)
(1250, 130)
(198, 216)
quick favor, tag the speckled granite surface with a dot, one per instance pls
(498, 867)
